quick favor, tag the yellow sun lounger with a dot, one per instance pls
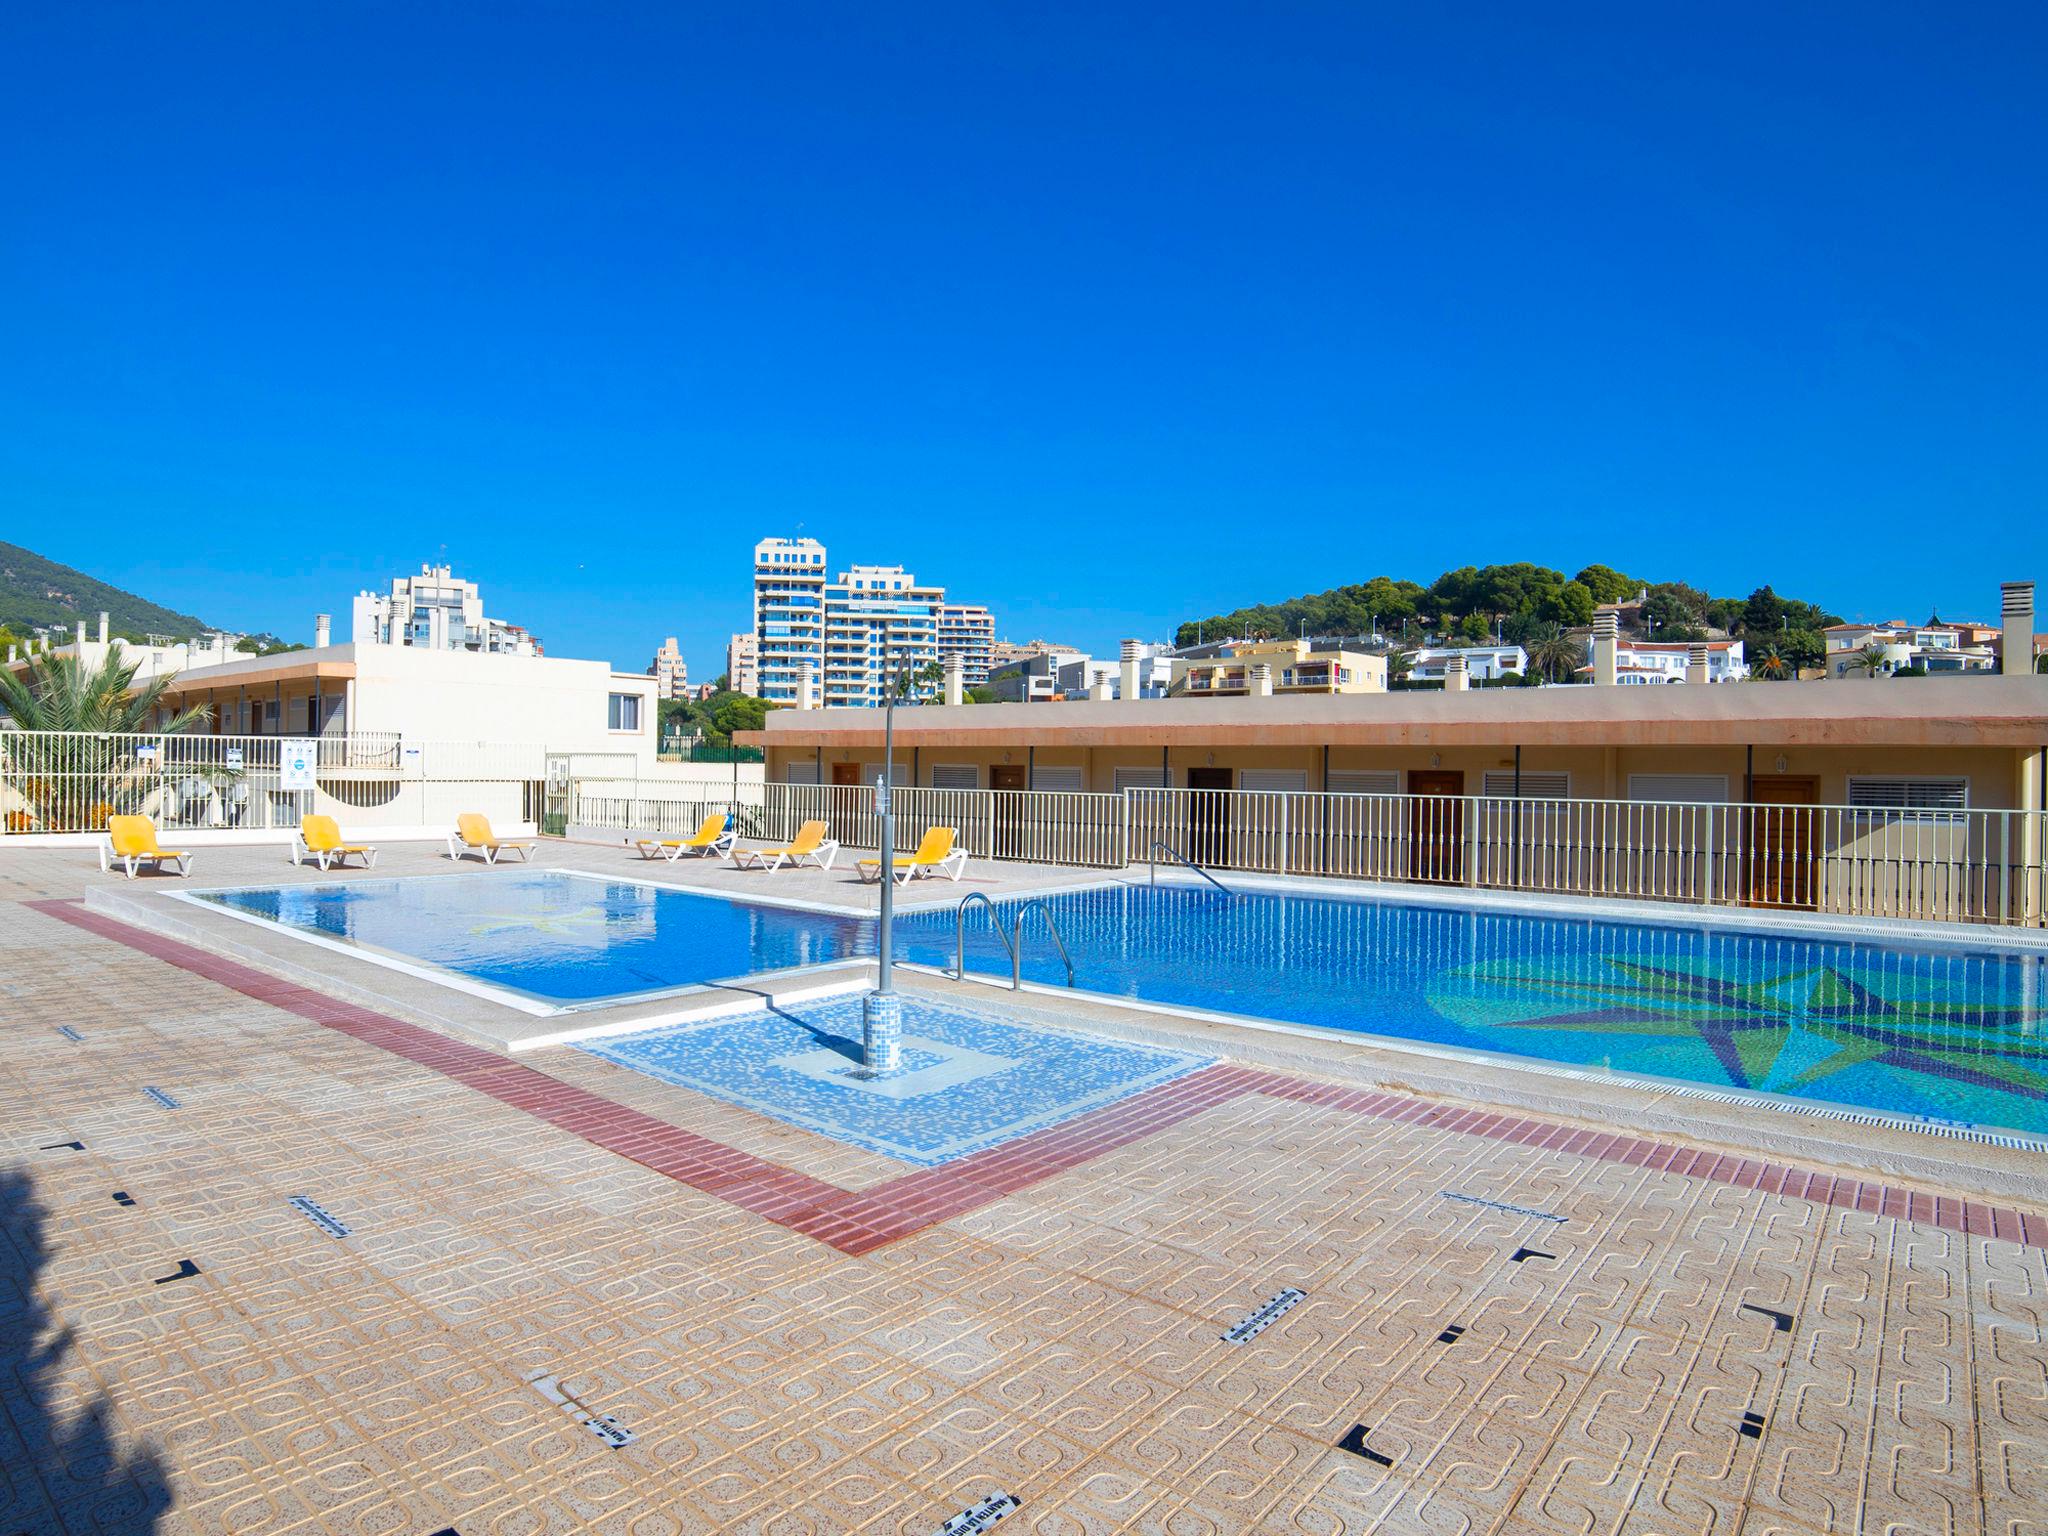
(320, 840)
(935, 855)
(811, 846)
(473, 834)
(714, 839)
(131, 841)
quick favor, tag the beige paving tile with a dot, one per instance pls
(1061, 1345)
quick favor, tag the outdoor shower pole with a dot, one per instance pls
(881, 1013)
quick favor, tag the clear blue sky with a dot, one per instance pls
(1104, 315)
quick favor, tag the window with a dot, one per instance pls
(804, 771)
(1139, 778)
(1064, 780)
(1910, 794)
(1535, 786)
(1365, 781)
(622, 712)
(955, 776)
(1704, 788)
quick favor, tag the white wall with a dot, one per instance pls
(561, 704)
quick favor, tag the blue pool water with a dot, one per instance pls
(1946, 1034)
(563, 940)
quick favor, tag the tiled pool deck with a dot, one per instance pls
(1538, 1327)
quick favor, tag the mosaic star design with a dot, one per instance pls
(564, 924)
(1812, 1030)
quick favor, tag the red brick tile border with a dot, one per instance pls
(859, 1221)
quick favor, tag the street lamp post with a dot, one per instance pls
(881, 1011)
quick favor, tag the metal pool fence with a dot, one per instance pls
(72, 781)
(1982, 866)
(1947, 865)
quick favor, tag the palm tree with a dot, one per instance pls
(1556, 657)
(58, 693)
(1772, 665)
(1399, 665)
(64, 756)
(1870, 659)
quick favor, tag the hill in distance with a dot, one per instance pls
(35, 590)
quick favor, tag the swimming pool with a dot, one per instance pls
(553, 940)
(1944, 1034)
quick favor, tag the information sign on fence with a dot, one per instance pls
(296, 763)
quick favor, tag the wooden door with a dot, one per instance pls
(1436, 825)
(1208, 840)
(846, 774)
(1012, 816)
(1783, 835)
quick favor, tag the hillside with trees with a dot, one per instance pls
(35, 590)
(714, 720)
(1528, 605)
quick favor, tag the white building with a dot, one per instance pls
(789, 618)
(1935, 648)
(1143, 670)
(670, 672)
(411, 693)
(845, 632)
(878, 619)
(1483, 663)
(967, 630)
(743, 665)
(439, 611)
(1642, 662)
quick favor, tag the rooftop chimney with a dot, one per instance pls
(1606, 648)
(1457, 677)
(955, 693)
(2016, 647)
(1098, 687)
(323, 631)
(1127, 678)
(803, 687)
(1262, 679)
(103, 628)
(81, 634)
(1696, 662)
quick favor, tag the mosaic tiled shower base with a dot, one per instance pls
(968, 1081)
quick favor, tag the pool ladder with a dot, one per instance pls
(1013, 941)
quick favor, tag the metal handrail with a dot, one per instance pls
(995, 921)
(1181, 858)
(1013, 941)
(1017, 951)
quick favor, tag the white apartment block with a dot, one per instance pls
(877, 618)
(844, 633)
(743, 665)
(967, 630)
(438, 611)
(789, 618)
(670, 672)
